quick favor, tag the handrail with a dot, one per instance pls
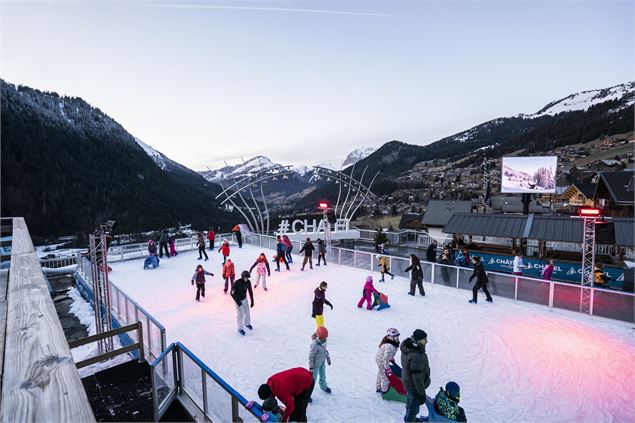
(177, 348)
(109, 334)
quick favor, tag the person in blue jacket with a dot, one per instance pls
(281, 249)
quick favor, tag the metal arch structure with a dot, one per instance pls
(259, 222)
(347, 209)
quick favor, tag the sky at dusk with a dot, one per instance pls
(306, 82)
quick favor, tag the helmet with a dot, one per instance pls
(322, 332)
(453, 391)
(392, 332)
(245, 274)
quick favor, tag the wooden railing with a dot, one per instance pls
(110, 354)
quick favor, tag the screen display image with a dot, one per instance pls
(529, 174)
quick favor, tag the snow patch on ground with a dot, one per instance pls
(514, 361)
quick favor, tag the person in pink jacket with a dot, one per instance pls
(367, 294)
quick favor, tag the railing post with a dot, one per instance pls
(179, 369)
(457, 277)
(339, 256)
(204, 384)
(355, 258)
(432, 275)
(140, 340)
(516, 288)
(155, 395)
(591, 306)
(126, 305)
(372, 262)
(235, 416)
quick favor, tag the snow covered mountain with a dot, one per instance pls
(357, 155)
(253, 165)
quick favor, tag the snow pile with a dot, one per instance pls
(514, 361)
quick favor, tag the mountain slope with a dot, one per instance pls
(66, 166)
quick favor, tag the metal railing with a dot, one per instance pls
(125, 311)
(108, 355)
(604, 302)
(139, 250)
(188, 378)
(56, 263)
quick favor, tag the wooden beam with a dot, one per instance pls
(4, 280)
(41, 384)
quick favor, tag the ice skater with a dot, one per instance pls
(239, 294)
(199, 278)
(211, 237)
(293, 387)
(281, 249)
(415, 373)
(416, 275)
(308, 253)
(367, 294)
(239, 235)
(319, 299)
(229, 274)
(481, 280)
(262, 270)
(384, 267)
(163, 243)
(289, 245)
(172, 243)
(224, 248)
(321, 251)
(385, 358)
(445, 405)
(201, 246)
(319, 357)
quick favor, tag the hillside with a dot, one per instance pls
(67, 166)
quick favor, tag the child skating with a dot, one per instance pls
(199, 278)
(229, 274)
(224, 248)
(319, 357)
(367, 294)
(321, 251)
(262, 270)
(384, 267)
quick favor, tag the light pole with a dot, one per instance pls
(589, 215)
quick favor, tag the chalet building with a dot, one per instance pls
(615, 193)
(580, 194)
(438, 213)
(411, 221)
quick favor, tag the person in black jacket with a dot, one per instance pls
(163, 243)
(431, 253)
(318, 304)
(239, 294)
(199, 278)
(308, 253)
(416, 275)
(481, 280)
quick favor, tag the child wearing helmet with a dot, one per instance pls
(224, 248)
(384, 358)
(199, 277)
(319, 356)
(262, 270)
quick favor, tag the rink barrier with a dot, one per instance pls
(607, 303)
(140, 250)
(195, 384)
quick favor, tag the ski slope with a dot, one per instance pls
(514, 361)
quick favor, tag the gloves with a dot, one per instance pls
(192, 282)
(313, 315)
(252, 305)
(331, 306)
(388, 372)
(328, 361)
(392, 361)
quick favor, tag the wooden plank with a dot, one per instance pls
(4, 280)
(104, 335)
(42, 383)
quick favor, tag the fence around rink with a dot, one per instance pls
(562, 295)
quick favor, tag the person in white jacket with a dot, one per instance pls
(385, 357)
(319, 357)
(518, 265)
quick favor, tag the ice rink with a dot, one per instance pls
(514, 361)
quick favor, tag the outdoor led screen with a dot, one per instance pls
(529, 174)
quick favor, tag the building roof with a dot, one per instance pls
(618, 183)
(438, 212)
(409, 217)
(547, 228)
(586, 188)
(515, 205)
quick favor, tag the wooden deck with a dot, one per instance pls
(40, 380)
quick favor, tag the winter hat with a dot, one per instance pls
(322, 332)
(392, 333)
(419, 334)
(369, 278)
(199, 267)
(264, 391)
(245, 274)
(378, 256)
(270, 404)
(453, 391)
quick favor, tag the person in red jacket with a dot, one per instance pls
(293, 388)
(229, 274)
(225, 250)
(211, 237)
(239, 235)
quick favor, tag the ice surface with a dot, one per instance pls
(514, 361)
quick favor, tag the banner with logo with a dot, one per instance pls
(562, 271)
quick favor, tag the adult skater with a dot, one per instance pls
(385, 356)
(211, 237)
(321, 251)
(548, 270)
(367, 294)
(280, 253)
(518, 265)
(319, 357)
(199, 278)
(224, 248)
(445, 406)
(431, 252)
(415, 373)
(262, 270)
(239, 294)
(416, 275)
(229, 274)
(239, 235)
(201, 246)
(308, 249)
(163, 243)
(481, 280)
(293, 388)
(289, 248)
(446, 259)
(319, 299)
(384, 267)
